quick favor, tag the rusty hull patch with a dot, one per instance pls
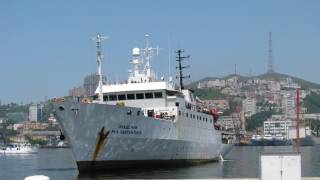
(101, 141)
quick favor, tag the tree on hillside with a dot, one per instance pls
(312, 102)
(235, 106)
(209, 94)
(257, 120)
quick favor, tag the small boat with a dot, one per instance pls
(256, 140)
(315, 135)
(279, 140)
(17, 148)
(267, 140)
(267, 137)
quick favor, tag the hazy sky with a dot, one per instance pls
(46, 46)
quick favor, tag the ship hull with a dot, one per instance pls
(154, 153)
(110, 137)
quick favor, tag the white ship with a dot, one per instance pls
(142, 122)
(17, 148)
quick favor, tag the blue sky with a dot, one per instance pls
(46, 46)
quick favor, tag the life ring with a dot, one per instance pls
(86, 100)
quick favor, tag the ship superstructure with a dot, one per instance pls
(139, 122)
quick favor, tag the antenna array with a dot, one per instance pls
(179, 59)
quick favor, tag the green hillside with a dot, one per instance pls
(312, 103)
(208, 93)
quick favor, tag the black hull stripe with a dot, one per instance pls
(90, 166)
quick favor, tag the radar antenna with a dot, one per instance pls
(179, 59)
(99, 38)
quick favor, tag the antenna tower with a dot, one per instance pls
(179, 59)
(270, 55)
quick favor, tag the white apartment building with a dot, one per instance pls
(288, 103)
(276, 126)
(230, 122)
(249, 106)
(33, 112)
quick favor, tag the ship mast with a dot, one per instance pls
(179, 59)
(148, 53)
(98, 40)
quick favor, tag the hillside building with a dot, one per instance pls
(288, 103)
(90, 84)
(77, 91)
(277, 125)
(33, 113)
(249, 106)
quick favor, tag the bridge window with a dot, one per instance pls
(158, 95)
(139, 96)
(170, 93)
(130, 96)
(121, 97)
(105, 98)
(149, 95)
(112, 97)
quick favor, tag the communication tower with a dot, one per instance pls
(270, 55)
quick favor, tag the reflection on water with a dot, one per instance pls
(240, 162)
